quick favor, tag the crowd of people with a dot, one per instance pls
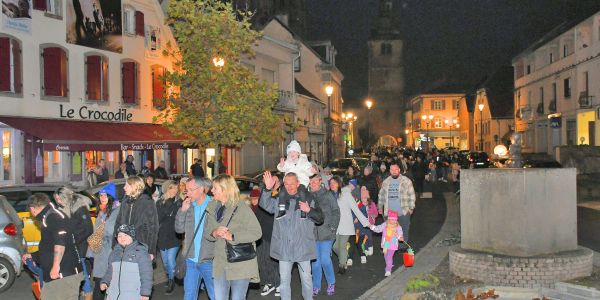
(216, 240)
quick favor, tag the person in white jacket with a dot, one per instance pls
(297, 163)
(345, 229)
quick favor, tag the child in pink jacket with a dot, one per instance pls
(392, 233)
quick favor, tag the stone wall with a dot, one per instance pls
(586, 159)
(531, 272)
(518, 212)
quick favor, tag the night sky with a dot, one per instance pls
(446, 41)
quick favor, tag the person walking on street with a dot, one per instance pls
(397, 194)
(268, 268)
(347, 205)
(57, 254)
(138, 210)
(122, 173)
(196, 168)
(102, 171)
(161, 172)
(324, 235)
(392, 233)
(230, 221)
(190, 220)
(130, 166)
(293, 231)
(168, 242)
(419, 168)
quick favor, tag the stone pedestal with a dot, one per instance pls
(519, 212)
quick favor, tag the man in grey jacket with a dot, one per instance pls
(190, 219)
(324, 234)
(293, 240)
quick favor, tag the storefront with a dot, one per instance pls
(53, 150)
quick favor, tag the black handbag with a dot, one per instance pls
(239, 252)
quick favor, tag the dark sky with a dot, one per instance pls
(446, 41)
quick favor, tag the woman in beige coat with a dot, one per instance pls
(230, 220)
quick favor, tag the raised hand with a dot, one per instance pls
(269, 180)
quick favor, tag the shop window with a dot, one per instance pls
(52, 170)
(10, 65)
(96, 69)
(54, 73)
(139, 23)
(130, 83)
(6, 170)
(158, 87)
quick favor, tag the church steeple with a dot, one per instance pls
(385, 26)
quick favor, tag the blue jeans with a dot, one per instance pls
(238, 288)
(168, 257)
(195, 273)
(285, 273)
(323, 262)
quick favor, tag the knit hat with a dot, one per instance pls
(293, 146)
(255, 193)
(109, 189)
(392, 215)
(127, 229)
(353, 182)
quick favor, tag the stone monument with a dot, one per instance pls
(519, 227)
(515, 160)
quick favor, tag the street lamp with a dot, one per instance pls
(329, 92)
(218, 61)
(369, 104)
(481, 127)
(454, 123)
(427, 120)
(349, 118)
(457, 127)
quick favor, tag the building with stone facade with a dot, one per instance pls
(556, 95)
(386, 79)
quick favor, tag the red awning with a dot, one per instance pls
(62, 135)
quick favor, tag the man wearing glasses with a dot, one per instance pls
(190, 220)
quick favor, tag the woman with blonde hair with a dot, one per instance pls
(230, 223)
(139, 211)
(168, 241)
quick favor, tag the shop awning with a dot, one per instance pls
(63, 135)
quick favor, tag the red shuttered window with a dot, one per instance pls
(139, 23)
(96, 78)
(39, 5)
(129, 75)
(158, 87)
(55, 72)
(5, 58)
(10, 65)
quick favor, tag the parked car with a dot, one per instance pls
(17, 196)
(12, 244)
(339, 166)
(478, 160)
(246, 184)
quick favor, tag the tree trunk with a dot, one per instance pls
(217, 158)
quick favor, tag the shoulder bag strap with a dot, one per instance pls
(195, 232)
(233, 213)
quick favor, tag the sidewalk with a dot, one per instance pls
(426, 260)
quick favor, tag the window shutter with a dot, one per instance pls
(157, 82)
(432, 104)
(443, 104)
(139, 23)
(104, 80)
(64, 69)
(94, 65)
(16, 48)
(128, 74)
(52, 68)
(39, 5)
(5, 64)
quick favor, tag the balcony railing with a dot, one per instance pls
(552, 106)
(585, 100)
(287, 100)
(524, 112)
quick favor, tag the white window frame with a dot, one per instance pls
(11, 146)
(54, 8)
(456, 104)
(129, 20)
(51, 176)
(437, 104)
(437, 122)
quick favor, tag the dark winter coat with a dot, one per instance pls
(331, 215)
(141, 213)
(371, 183)
(161, 173)
(293, 237)
(167, 210)
(77, 211)
(129, 274)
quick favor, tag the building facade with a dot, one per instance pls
(80, 82)
(386, 79)
(556, 91)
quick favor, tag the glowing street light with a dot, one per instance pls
(218, 61)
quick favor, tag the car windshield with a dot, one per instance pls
(362, 162)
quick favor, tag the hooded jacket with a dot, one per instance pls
(129, 274)
(302, 168)
(293, 238)
(331, 215)
(77, 211)
(141, 213)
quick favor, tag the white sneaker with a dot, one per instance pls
(349, 262)
(277, 293)
(267, 289)
(369, 251)
(387, 274)
(363, 259)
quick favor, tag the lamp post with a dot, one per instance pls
(450, 124)
(457, 127)
(481, 127)
(329, 92)
(218, 62)
(349, 118)
(369, 104)
(427, 120)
